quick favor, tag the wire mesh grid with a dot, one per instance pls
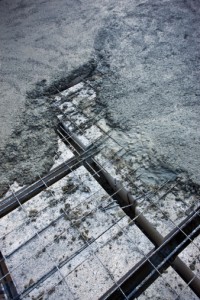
(76, 216)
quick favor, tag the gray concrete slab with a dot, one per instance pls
(147, 51)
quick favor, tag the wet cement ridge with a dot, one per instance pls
(81, 73)
(33, 144)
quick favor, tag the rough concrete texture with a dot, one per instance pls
(146, 51)
(153, 51)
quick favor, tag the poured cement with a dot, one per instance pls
(146, 56)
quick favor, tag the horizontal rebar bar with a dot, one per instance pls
(23, 195)
(7, 282)
(13, 201)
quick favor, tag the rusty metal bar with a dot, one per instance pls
(6, 281)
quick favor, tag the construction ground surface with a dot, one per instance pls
(139, 62)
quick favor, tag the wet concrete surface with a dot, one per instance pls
(147, 53)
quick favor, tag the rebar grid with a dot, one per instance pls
(121, 229)
(165, 214)
(156, 269)
(104, 132)
(69, 191)
(117, 142)
(38, 235)
(65, 213)
(52, 195)
(98, 236)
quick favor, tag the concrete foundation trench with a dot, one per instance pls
(104, 222)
